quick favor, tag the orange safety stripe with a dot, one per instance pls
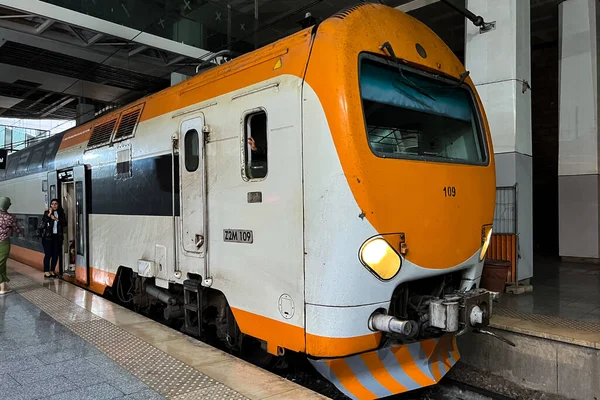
(275, 333)
(342, 371)
(380, 373)
(428, 347)
(320, 346)
(32, 258)
(410, 368)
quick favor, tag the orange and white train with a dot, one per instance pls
(354, 234)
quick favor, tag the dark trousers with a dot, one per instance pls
(52, 249)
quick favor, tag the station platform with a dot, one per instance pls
(58, 341)
(556, 329)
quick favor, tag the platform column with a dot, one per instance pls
(500, 64)
(578, 165)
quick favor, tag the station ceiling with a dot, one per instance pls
(48, 65)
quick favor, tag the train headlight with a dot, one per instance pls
(486, 238)
(378, 256)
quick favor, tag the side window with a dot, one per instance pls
(255, 140)
(52, 193)
(37, 159)
(23, 162)
(32, 223)
(192, 150)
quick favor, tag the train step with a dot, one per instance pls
(192, 307)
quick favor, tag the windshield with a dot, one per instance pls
(410, 115)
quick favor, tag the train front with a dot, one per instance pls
(399, 203)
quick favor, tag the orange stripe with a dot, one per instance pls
(428, 347)
(99, 279)
(319, 346)
(380, 373)
(347, 378)
(32, 258)
(435, 368)
(410, 368)
(275, 333)
(242, 72)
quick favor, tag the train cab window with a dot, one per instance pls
(255, 140)
(192, 150)
(410, 115)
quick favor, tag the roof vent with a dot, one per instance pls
(127, 125)
(101, 134)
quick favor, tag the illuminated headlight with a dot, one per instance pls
(486, 238)
(378, 256)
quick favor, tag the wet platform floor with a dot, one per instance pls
(59, 341)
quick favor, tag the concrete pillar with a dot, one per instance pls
(500, 64)
(578, 164)
(85, 113)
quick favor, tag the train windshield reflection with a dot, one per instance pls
(413, 116)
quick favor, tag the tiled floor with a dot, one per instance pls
(41, 359)
(58, 341)
(566, 290)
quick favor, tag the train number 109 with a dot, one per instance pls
(450, 191)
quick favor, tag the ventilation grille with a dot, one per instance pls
(127, 125)
(101, 134)
(347, 11)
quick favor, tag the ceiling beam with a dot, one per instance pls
(76, 34)
(71, 17)
(17, 16)
(415, 5)
(43, 26)
(58, 107)
(94, 39)
(137, 50)
(175, 60)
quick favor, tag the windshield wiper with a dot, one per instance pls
(387, 46)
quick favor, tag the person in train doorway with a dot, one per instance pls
(54, 221)
(256, 151)
(8, 224)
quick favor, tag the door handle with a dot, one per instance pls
(199, 240)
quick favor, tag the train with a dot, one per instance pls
(330, 195)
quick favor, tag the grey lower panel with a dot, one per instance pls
(578, 216)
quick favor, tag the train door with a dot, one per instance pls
(81, 175)
(68, 202)
(193, 191)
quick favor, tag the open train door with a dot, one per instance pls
(81, 175)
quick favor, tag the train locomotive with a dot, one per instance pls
(331, 194)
